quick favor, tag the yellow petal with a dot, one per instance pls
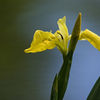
(41, 41)
(63, 30)
(62, 26)
(59, 41)
(91, 37)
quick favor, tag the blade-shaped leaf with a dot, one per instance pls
(54, 91)
(95, 92)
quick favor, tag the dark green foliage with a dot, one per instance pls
(63, 76)
(95, 92)
(54, 91)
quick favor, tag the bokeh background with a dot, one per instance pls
(30, 76)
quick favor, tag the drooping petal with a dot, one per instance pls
(41, 41)
(93, 38)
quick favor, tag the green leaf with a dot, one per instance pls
(95, 92)
(63, 75)
(75, 34)
(54, 91)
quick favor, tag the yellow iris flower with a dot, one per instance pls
(46, 40)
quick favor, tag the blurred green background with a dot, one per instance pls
(30, 76)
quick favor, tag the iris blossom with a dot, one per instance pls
(44, 40)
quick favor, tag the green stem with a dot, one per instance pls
(63, 76)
